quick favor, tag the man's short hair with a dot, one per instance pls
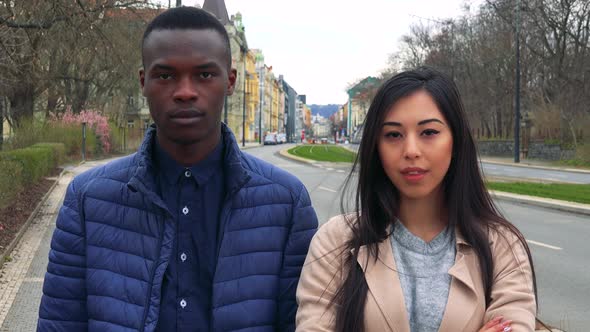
(187, 18)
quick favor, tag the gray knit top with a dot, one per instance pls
(423, 273)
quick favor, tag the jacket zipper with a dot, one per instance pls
(151, 280)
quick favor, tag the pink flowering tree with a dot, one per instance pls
(94, 120)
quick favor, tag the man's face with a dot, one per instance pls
(185, 79)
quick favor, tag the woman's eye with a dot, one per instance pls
(393, 134)
(430, 132)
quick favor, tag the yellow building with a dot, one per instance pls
(252, 96)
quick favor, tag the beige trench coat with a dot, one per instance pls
(512, 291)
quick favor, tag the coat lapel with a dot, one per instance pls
(384, 285)
(462, 300)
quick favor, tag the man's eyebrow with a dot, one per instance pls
(423, 122)
(159, 66)
(207, 65)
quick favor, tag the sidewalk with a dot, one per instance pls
(531, 163)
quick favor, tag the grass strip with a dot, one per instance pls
(579, 193)
(331, 153)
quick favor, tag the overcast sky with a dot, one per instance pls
(322, 45)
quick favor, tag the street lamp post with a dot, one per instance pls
(246, 75)
(517, 88)
(83, 141)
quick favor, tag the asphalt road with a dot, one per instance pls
(532, 173)
(559, 241)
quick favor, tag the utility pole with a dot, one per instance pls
(178, 3)
(261, 103)
(244, 105)
(517, 88)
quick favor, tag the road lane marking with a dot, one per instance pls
(340, 171)
(544, 245)
(328, 189)
(329, 169)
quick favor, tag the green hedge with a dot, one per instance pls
(10, 181)
(58, 152)
(35, 162)
(22, 167)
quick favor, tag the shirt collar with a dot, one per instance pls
(171, 170)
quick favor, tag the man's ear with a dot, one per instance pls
(142, 81)
(231, 81)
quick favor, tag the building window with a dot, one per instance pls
(130, 124)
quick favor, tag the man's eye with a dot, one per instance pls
(430, 132)
(164, 76)
(206, 75)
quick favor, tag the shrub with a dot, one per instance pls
(26, 134)
(583, 152)
(31, 132)
(94, 120)
(35, 162)
(58, 151)
(71, 136)
(10, 181)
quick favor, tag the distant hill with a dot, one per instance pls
(324, 110)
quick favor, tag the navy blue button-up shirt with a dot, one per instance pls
(194, 195)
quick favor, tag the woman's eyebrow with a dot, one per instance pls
(423, 122)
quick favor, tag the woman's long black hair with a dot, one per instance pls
(469, 204)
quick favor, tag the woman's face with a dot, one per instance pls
(415, 146)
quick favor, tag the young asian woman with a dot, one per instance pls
(425, 248)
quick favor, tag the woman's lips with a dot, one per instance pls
(413, 174)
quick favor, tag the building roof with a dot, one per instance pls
(217, 8)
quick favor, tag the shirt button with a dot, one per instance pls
(183, 257)
(187, 173)
(182, 303)
(185, 210)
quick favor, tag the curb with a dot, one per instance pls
(554, 204)
(286, 154)
(27, 223)
(542, 202)
(549, 168)
(249, 146)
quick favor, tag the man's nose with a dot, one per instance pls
(186, 90)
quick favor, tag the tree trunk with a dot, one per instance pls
(52, 98)
(82, 91)
(22, 104)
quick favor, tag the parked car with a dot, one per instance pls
(270, 139)
(281, 138)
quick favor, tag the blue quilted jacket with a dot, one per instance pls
(114, 237)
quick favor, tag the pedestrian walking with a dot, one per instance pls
(189, 233)
(425, 248)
